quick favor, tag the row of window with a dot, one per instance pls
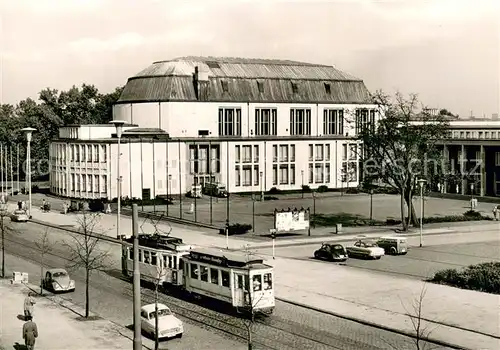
(266, 121)
(246, 154)
(88, 183)
(294, 85)
(475, 134)
(204, 159)
(151, 258)
(245, 175)
(80, 153)
(209, 274)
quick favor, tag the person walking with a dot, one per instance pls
(29, 303)
(30, 333)
(495, 212)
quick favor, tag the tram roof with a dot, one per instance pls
(225, 258)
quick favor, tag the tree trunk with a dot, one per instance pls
(3, 248)
(249, 329)
(412, 214)
(403, 216)
(41, 275)
(87, 280)
(156, 316)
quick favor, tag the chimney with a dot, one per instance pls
(201, 84)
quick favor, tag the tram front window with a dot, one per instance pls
(268, 281)
(214, 276)
(225, 278)
(257, 283)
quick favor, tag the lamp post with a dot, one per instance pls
(371, 205)
(314, 208)
(119, 129)
(261, 174)
(169, 189)
(29, 133)
(421, 183)
(302, 177)
(253, 212)
(472, 196)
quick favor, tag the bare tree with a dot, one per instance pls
(85, 251)
(420, 330)
(44, 247)
(161, 272)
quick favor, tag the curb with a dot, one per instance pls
(374, 325)
(76, 309)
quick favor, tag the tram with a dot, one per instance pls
(242, 281)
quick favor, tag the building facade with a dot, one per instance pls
(249, 124)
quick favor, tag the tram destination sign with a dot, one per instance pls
(211, 259)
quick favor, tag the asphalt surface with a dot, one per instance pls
(290, 327)
(443, 251)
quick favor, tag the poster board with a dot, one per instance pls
(292, 220)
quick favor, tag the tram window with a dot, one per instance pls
(165, 265)
(239, 281)
(140, 255)
(268, 281)
(153, 259)
(175, 262)
(204, 273)
(225, 278)
(170, 261)
(131, 254)
(194, 271)
(146, 257)
(214, 276)
(257, 283)
(181, 264)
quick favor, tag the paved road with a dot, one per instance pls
(444, 251)
(289, 328)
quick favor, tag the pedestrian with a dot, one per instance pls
(30, 333)
(495, 212)
(29, 307)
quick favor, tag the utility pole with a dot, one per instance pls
(137, 280)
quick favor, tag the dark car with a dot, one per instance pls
(331, 252)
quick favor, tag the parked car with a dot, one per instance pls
(19, 216)
(393, 245)
(169, 326)
(331, 252)
(58, 280)
(365, 249)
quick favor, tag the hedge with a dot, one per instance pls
(484, 277)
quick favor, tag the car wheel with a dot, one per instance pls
(393, 251)
(179, 335)
(316, 255)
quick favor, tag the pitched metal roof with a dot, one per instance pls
(173, 80)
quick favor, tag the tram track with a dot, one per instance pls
(270, 333)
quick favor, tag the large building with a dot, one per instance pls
(247, 123)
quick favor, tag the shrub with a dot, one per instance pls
(270, 198)
(274, 190)
(352, 190)
(484, 277)
(473, 214)
(322, 188)
(306, 188)
(96, 205)
(236, 229)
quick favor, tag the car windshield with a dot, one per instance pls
(338, 248)
(161, 313)
(370, 244)
(59, 274)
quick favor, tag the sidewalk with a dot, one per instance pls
(58, 327)
(385, 301)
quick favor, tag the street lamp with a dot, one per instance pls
(314, 208)
(253, 212)
(421, 183)
(119, 129)
(371, 205)
(261, 174)
(28, 132)
(302, 176)
(472, 196)
(169, 189)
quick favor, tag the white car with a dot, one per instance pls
(58, 281)
(19, 216)
(365, 249)
(169, 326)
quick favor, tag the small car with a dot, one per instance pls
(169, 326)
(58, 280)
(19, 216)
(331, 252)
(393, 245)
(365, 249)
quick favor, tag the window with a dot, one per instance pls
(275, 153)
(328, 89)
(319, 152)
(237, 175)
(284, 153)
(268, 281)
(84, 183)
(237, 154)
(96, 153)
(239, 281)
(204, 273)
(103, 154)
(194, 271)
(214, 276)
(295, 88)
(300, 122)
(84, 152)
(283, 167)
(225, 86)
(247, 175)
(266, 121)
(256, 175)
(247, 154)
(364, 118)
(284, 174)
(146, 257)
(260, 87)
(229, 122)
(319, 163)
(275, 174)
(333, 122)
(257, 283)
(224, 278)
(77, 153)
(292, 153)
(130, 253)
(255, 154)
(154, 260)
(140, 256)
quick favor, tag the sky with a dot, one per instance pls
(446, 51)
